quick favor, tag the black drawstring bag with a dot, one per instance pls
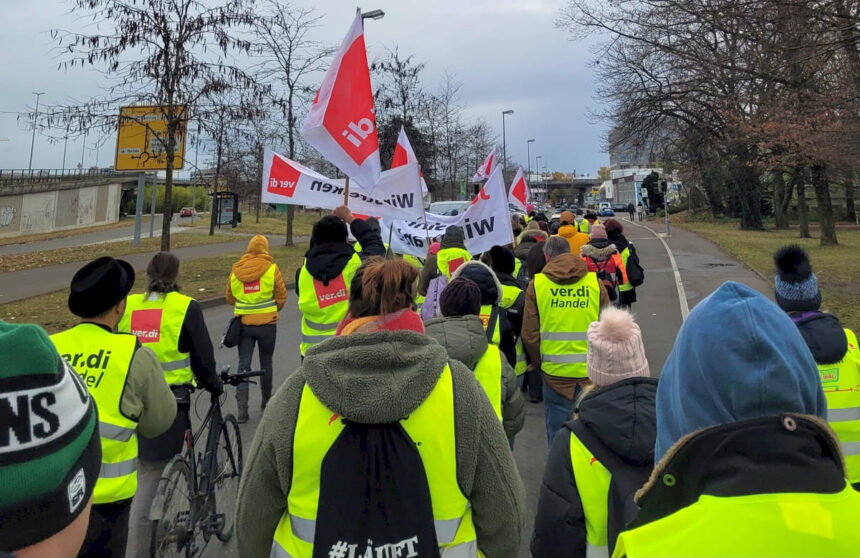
(233, 332)
(374, 495)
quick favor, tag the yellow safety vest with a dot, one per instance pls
(592, 482)
(430, 426)
(584, 226)
(841, 383)
(625, 286)
(449, 259)
(102, 360)
(565, 313)
(488, 372)
(156, 320)
(509, 296)
(324, 306)
(758, 525)
(518, 264)
(486, 314)
(413, 260)
(256, 297)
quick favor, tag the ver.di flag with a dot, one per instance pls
(341, 123)
(403, 154)
(486, 167)
(520, 193)
(397, 194)
(486, 223)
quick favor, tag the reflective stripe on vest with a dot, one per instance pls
(486, 317)
(449, 259)
(565, 312)
(592, 482)
(807, 524)
(324, 306)
(431, 426)
(256, 297)
(156, 319)
(102, 360)
(488, 372)
(840, 382)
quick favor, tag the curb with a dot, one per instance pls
(222, 300)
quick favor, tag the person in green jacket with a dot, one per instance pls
(378, 369)
(461, 333)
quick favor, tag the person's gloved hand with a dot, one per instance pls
(215, 387)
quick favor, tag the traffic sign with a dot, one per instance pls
(139, 142)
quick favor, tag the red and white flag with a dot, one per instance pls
(341, 123)
(520, 193)
(486, 167)
(403, 154)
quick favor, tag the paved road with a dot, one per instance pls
(33, 282)
(702, 267)
(126, 232)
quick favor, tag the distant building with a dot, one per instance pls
(629, 153)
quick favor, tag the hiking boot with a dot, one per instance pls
(243, 416)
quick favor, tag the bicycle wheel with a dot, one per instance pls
(171, 512)
(228, 471)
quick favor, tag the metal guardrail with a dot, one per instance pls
(9, 177)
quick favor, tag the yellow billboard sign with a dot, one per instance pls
(141, 140)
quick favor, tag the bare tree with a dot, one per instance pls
(288, 57)
(167, 53)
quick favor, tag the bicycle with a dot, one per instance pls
(185, 511)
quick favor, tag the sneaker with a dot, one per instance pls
(243, 416)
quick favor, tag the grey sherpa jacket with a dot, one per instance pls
(379, 378)
(465, 339)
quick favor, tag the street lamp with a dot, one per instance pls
(373, 14)
(504, 143)
(529, 155)
(537, 167)
(35, 122)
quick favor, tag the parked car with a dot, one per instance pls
(606, 212)
(187, 212)
(449, 208)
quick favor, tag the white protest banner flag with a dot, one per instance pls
(486, 223)
(341, 123)
(404, 154)
(397, 194)
(486, 167)
(520, 193)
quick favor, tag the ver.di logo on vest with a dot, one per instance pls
(251, 288)
(334, 292)
(575, 298)
(146, 325)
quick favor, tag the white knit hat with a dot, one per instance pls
(615, 348)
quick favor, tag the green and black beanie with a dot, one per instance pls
(50, 452)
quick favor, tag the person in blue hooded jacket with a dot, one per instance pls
(746, 462)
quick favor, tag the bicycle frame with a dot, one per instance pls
(212, 425)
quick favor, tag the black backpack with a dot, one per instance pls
(374, 497)
(635, 273)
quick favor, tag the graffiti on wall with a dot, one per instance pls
(7, 215)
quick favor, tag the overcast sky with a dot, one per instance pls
(507, 53)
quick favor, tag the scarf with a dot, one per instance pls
(405, 319)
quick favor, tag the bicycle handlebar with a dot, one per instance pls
(240, 378)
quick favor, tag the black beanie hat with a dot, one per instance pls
(328, 229)
(795, 285)
(99, 286)
(461, 297)
(502, 260)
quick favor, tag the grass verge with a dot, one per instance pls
(125, 222)
(837, 267)
(275, 226)
(200, 278)
(59, 256)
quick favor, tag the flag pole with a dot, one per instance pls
(346, 192)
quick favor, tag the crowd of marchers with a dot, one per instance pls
(395, 435)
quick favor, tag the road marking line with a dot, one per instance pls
(682, 295)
